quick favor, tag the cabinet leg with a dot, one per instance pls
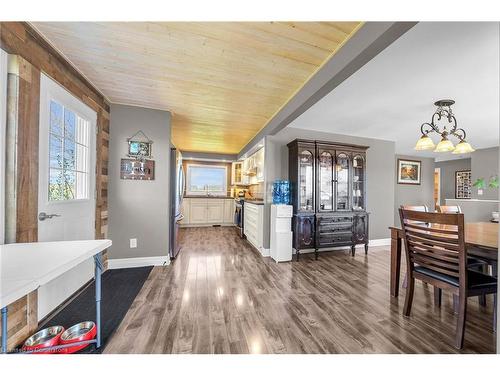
(353, 250)
(366, 248)
(297, 255)
(316, 253)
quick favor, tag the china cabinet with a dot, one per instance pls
(328, 189)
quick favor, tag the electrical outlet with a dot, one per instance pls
(133, 243)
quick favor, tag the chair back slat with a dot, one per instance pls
(435, 241)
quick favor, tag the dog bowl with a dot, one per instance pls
(44, 339)
(79, 332)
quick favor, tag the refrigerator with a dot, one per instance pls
(177, 184)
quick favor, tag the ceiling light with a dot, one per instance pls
(425, 143)
(463, 148)
(445, 145)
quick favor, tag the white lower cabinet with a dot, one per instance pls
(253, 224)
(215, 211)
(207, 211)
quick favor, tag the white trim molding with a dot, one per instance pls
(3, 118)
(138, 262)
(380, 242)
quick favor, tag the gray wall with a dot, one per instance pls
(380, 174)
(414, 195)
(139, 209)
(447, 181)
(484, 163)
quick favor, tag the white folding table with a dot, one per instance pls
(24, 267)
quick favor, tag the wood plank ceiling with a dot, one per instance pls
(222, 81)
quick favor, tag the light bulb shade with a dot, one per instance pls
(424, 143)
(463, 148)
(445, 145)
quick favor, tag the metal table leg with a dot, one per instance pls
(98, 271)
(4, 329)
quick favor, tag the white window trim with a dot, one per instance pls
(51, 90)
(3, 126)
(188, 180)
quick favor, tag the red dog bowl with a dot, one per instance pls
(45, 338)
(79, 332)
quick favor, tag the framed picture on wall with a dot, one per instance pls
(409, 172)
(463, 184)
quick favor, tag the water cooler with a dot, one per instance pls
(281, 232)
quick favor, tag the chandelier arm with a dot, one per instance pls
(456, 134)
(425, 132)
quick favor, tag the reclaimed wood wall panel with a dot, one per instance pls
(27, 152)
(35, 55)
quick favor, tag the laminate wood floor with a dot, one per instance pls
(221, 296)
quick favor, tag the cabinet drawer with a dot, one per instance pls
(334, 239)
(335, 228)
(334, 219)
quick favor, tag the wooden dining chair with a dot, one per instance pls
(472, 262)
(436, 253)
(449, 209)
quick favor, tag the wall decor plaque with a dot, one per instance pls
(133, 169)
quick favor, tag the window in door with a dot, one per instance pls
(206, 180)
(69, 140)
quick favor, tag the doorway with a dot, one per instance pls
(66, 183)
(437, 187)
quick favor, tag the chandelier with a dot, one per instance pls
(443, 111)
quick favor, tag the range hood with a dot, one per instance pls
(252, 167)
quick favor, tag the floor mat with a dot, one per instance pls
(119, 289)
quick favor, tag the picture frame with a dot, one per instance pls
(139, 149)
(133, 169)
(463, 184)
(409, 172)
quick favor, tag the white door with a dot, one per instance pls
(66, 183)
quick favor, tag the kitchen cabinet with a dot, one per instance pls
(259, 163)
(207, 211)
(253, 225)
(215, 211)
(328, 188)
(185, 211)
(253, 168)
(198, 211)
(237, 173)
(229, 211)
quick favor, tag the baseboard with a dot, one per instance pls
(380, 242)
(206, 225)
(372, 243)
(265, 252)
(138, 262)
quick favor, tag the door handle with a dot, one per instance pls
(42, 216)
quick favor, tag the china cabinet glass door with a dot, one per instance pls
(342, 170)
(325, 189)
(358, 182)
(306, 181)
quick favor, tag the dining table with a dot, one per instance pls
(481, 240)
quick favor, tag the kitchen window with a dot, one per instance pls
(206, 180)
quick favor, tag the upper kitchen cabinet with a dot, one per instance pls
(250, 171)
(237, 173)
(259, 163)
